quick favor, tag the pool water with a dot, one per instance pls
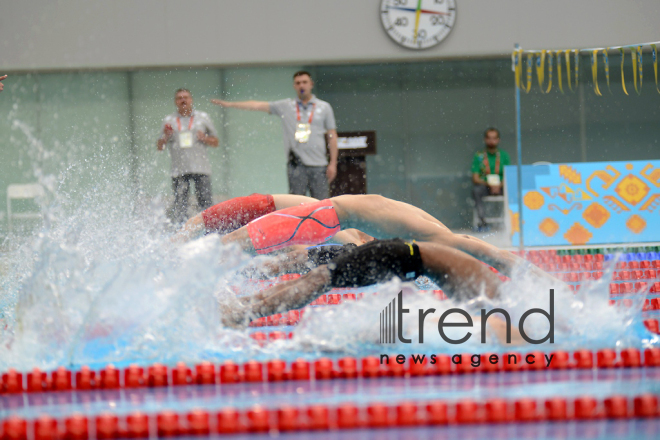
(276, 397)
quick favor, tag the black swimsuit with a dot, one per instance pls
(375, 262)
(324, 254)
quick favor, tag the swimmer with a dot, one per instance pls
(234, 213)
(458, 273)
(2, 78)
(374, 215)
(300, 259)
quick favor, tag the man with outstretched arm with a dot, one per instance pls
(306, 121)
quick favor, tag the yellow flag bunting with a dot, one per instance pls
(539, 59)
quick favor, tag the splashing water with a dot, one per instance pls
(101, 282)
(583, 320)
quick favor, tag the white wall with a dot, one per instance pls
(55, 34)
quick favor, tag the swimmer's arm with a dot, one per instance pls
(294, 294)
(283, 297)
(258, 106)
(194, 228)
(293, 261)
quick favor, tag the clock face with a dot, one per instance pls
(418, 24)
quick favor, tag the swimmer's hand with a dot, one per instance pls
(234, 316)
(1, 79)
(194, 228)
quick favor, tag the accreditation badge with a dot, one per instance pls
(185, 139)
(493, 180)
(303, 131)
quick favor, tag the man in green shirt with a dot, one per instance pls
(488, 172)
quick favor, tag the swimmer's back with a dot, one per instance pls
(365, 205)
(422, 214)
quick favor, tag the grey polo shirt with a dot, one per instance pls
(313, 152)
(194, 159)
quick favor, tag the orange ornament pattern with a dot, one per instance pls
(548, 227)
(636, 224)
(534, 200)
(570, 174)
(632, 189)
(578, 234)
(596, 215)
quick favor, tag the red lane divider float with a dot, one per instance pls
(323, 417)
(206, 373)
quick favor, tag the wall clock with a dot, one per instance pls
(418, 24)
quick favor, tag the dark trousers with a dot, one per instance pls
(303, 178)
(479, 192)
(181, 187)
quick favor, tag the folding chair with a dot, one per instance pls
(21, 192)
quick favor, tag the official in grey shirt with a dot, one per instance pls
(305, 121)
(188, 133)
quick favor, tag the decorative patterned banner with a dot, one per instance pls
(585, 203)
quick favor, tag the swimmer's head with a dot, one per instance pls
(303, 84)
(184, 101)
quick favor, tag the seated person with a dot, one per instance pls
(488, 173)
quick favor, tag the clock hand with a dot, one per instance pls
(402, 9)
(423, 11)
(417, 14)
(426, 11)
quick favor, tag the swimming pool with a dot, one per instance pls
(595, 391)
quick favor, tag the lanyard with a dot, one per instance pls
(178, 122)
(311, 114)
(487, 165)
